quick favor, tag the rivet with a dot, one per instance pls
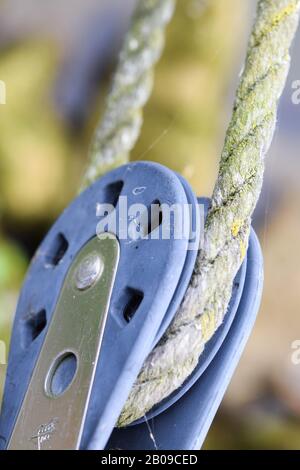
(88, 271)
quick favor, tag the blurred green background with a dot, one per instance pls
(56, 62)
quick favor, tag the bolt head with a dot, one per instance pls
(88, 272)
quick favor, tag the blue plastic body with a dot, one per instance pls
(155, 273)
(213, 346)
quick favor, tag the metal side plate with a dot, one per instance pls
(151, 278)
(54, 408)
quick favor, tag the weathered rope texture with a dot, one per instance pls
(235, 196)
(132, 85)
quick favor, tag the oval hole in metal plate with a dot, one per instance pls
(61, 374)
(53, 411)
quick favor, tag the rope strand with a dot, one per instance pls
(237, 189)
(228, 224)
(132, 85)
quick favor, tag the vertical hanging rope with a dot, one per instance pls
(132, 85)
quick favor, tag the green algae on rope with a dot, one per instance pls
(237, 189)
(228, 224)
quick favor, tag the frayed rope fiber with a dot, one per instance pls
(236, 192)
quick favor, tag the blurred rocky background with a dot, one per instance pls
(56, 59)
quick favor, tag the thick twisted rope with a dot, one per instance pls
(234, 199)
(132, 85)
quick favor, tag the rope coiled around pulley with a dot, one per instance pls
(237, 189)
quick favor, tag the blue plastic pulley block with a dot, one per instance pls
(152, 274)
